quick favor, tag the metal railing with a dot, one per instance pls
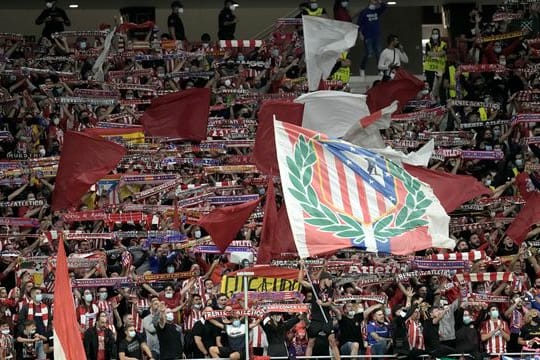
(264, 33)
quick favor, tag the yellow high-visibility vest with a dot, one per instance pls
(483, 113)
(436, 63)
(317, 12)
(343, 74)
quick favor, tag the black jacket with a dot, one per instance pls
(91, 344)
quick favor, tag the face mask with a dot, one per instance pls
(487, 182)
(169, 316)
(275, 52)
(387, 311)
(180, 11)
(103, 296)
(5, 331)
(313, 6)
(519, 162)
(168, 295)
(494, 314)
(372, 7)
(39, 297)
(170, 269)
(197, 233)
(496, 133)
(435, 37)
(497, 49)
(236, 323)
(205, 45)
(49, 5)
(56, 121)
(88, 297)
(132, 334)
(42, 152)
(402, 313)
(467, 320)
(344, 4)
(232, 7)
(351, 313)
(82, 45)
(227, 82)
(197, 306)
(276, 318)
(13, 78)
(129, 97)
(240, 58)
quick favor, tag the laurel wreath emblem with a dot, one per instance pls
(410, 215)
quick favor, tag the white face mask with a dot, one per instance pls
(372, 7)
(435, 37)
(42, 152)
(132, 334)
(49, 5)
(351, 313)
(103, 296)
(56, 121)
(5, 331)
(232, 7)
(313, 6)
(205, 45)
(170, 269)
(180, 11)
(169, 316)
(227, 83)
(88, 297)
(82, 45)
(168, 295)
(236, 323)
(344, 4)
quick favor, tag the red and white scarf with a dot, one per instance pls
(40, 309)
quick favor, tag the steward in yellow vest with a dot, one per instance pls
(343, 71)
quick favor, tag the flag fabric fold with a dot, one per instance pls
(264, 152)
(528, 216)
(182, 114)
(224, 223)
(67, 342)
(365, 132)
(339, 195)
(452, 190)
(403, 88)
(420, 157)
(85, 160)
(324, 41)
(332, 112)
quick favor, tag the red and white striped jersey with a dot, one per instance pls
(87, 316)
(415, 334)
(142, 305)
(495, 344)
(191, 316)
(258, 337)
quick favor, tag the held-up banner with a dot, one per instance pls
(234, 284)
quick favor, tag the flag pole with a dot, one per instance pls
(245, 278)
(315, 295)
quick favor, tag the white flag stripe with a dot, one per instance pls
(333, 178)
(352, 188)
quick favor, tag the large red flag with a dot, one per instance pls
(451, 190)
(527, 217)
(403, 88)
(224, 223)
(268, 235)
(84, 161)
(264, 152)
(181, 114)
(67, 342)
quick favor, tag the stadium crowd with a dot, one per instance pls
(479, 105)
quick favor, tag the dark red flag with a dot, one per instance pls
(181, 114)
(268, 234)
(527, 217)
(264, 152)
(84, 161)
(451, 190)
(224, 223)
(403, 88)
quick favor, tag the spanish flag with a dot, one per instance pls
(130, 135)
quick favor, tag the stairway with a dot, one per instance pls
(359, 85)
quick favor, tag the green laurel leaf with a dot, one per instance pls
(330, 214)
(312, 196)
(424, 203)
(314, 211)
(353, 223)
(335, 228)
(383, 223)
(402, 216)
(306, 177)
(415, 223)
(293, 169)
(349, 234)
(418, 213)
(295, 182)
(310, 159)
(409, 201)
(319, 222)
(297, 194)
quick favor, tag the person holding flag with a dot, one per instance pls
(321, 304)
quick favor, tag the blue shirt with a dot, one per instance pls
(369, 21)
(382, 330)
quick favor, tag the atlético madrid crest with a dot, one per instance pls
(351, 192)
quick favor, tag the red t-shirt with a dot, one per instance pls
(101, 345)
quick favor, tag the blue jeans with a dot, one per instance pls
(380, 348)
(371, 47)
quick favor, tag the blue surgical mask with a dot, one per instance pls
(467, 319)
(132, 334)
(240, 58)
(39, 297)
(236, 323)
(494, 314)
